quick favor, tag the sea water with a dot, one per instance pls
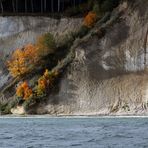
(73, 132)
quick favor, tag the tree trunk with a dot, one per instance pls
(26, 6)
(45, 3)
(13, 5)
(32, 8)
(2, 8)
(62, 6)
(52, 6)
(41, 6)
(58, 5)
(74, 3)
(16, 2)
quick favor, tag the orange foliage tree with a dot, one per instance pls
(24, 91)
(90, 19)
(45, 82)
(23, 60)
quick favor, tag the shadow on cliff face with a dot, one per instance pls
(140, 6)
(117, 34)
(100, 58)
(61, 85)
(98, 63)
(98, 78)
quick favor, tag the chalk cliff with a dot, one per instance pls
(108, 74)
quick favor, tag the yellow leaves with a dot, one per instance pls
(24, 91)
(23, 60)
(20, 91)
(45, 82)
(27, 93)
(24, 85)
(42, 85)
(16, 65)
(30, 53)
(46, 73)
(90, 19)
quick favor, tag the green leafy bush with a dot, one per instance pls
(46, 44)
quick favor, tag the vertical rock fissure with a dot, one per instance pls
(145, 50)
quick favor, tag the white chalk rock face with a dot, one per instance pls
(17, 31)
(19, 110)
(104, 78)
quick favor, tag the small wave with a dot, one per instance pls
(76, 144)
(122, 136)
(3, 138)
(91, 140)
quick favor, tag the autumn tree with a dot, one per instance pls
(17, 65)
(90, 19)
(45, 82)
(24, 91)
(24, 60)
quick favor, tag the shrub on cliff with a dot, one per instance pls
(24, 60)
(90, 19)
(31, 95)
(45, 82)
(45, 44)
(24, 91)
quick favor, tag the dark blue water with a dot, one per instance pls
(74, 132)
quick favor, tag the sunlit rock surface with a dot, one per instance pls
(19, 110)
(106, 75)
(17, 31)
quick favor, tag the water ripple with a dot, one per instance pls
(81, 133)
